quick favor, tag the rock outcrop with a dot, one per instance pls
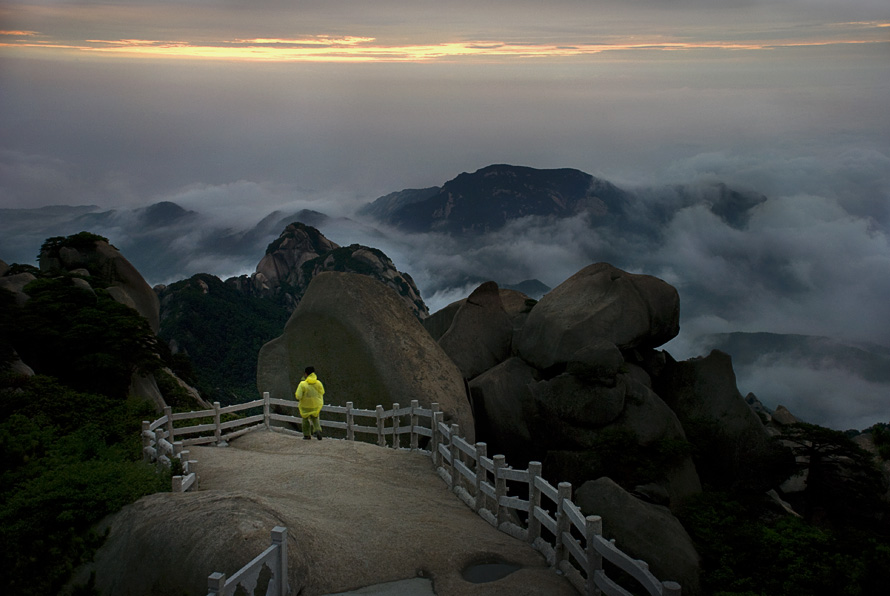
(90, 263)
(704, 395)
(564, 393)
(644, 531)
(481, 333)
(97, 258)
(301, 252)
(600, 301)
(367, 348)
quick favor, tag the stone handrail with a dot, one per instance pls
(248, 577)
(555, 526)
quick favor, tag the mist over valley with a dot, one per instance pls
(753, 271)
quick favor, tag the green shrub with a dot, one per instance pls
(69, 458)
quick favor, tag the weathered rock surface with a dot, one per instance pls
(703, 394)
(600, 301)
(644, 531)
(16, 284)
(356, 514)
(506, 412)
(481, 333)
(301, 252)
(366, 347)
(516, 304)
(568, 387)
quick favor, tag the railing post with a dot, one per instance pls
(176, 484)
(481, 449)
(455, 455)
(395, 427)
(267, 411)
(414, 422)
(350, 421)
(437, 417)
(159, 451)
(593, 528)
(216, 582)
(381, 439)
(168, 412)
(534, 500)
(279, 538)
(500, 488)
(670, 589)
(218, 431)
(146, 441)
(562, 520)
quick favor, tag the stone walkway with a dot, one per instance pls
(361, 515)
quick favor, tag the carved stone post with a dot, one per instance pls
(395, 427)
(455, 457)
(593, 528)
(381, 440)
(500, 488)
(350, 422)
(216, 421)
(279, 538)
(534, 500)
(481, 450)
(168, 412)
(562, 520)
(414, 422)
(216, 582)
(146, 441)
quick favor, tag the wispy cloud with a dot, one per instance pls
(359, 48)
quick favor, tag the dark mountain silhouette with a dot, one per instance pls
(488, 198)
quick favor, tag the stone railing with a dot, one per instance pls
(250, 577)
(520, 503)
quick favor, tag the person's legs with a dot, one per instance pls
(316, 426)
(307, 427)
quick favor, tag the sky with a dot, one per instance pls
(234, 109)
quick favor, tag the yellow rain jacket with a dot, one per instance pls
(309, 393)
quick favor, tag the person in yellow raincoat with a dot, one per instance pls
(309, 394)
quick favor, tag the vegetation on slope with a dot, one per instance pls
(69, 436)
(839, 546)
(221, 330)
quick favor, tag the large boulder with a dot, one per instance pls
(516, 304)
(481, 334)
(101, 260)
(600, 301)
(643, 531)
(367, 347)
(16, 284)
(732, 441)
(188, 535)
(626, 430)
(506, 412)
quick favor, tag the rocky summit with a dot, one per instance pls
(301, 252)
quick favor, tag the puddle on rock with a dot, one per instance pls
(480, 573)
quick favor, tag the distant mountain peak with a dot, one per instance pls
(162, 214)
(488, 198)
